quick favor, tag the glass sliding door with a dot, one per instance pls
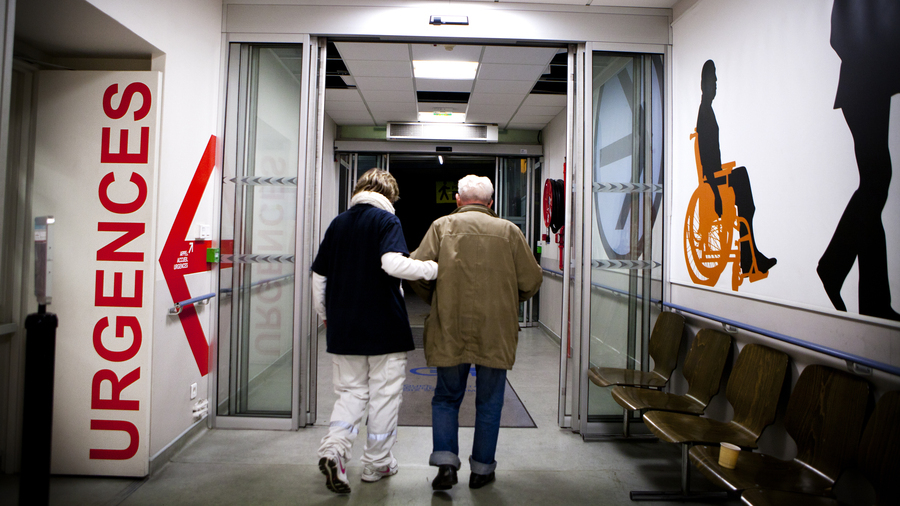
(514, 201)
(263, 220)
(354, 165)
(346, 180)
(622, 192)
(511, 193)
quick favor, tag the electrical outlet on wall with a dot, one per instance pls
(193, 391)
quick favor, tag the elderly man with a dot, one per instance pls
(486, 270)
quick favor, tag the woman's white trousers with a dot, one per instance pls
(372, 384)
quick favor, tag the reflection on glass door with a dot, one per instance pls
(514, 198)
(259, 226)
(625, 181)
(353, 165)
(512, 191)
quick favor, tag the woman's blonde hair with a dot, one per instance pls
(380, 181)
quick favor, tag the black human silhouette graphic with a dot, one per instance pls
(866, 35)
(739, 180)
(447, 191)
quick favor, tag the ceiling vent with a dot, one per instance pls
(460, 132)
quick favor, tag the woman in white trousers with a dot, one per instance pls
(357, 293)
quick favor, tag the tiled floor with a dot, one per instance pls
(546, 465)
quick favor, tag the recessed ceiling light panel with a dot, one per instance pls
(442, 117)
(434, 69)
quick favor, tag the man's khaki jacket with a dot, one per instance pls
(485, 268)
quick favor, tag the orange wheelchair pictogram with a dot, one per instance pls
(712, 241)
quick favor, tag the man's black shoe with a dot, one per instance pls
(445, 478)
(479, 480)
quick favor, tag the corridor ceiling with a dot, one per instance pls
(371, 83)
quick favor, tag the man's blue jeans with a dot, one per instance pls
(490, 385)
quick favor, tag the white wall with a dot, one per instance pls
(67, 174)
(511, 21)
(777, 77)
(554, 136)
(189, 35)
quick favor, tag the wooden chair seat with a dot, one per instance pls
(703, 368)
(680, 428)
(610, 376)
(634, 398)
(824, 416)
(878, 460)
(758, 469)
(665, 340)
(765, 497)
(879, 449)
(753, 391)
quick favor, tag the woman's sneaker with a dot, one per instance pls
(372, 473)
(332, 467)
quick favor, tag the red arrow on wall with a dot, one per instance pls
(172, 254)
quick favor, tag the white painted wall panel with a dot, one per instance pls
(491, 21)
(99, 190)
(554, 136)
(189, 35)
(777, 75)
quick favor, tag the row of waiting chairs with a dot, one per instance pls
(825, 416)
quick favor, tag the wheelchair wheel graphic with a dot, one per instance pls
(707, 243)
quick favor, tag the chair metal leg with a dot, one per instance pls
(626, 425)
(685, 493)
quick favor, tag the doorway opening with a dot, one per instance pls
(428, 187)
(518, 90)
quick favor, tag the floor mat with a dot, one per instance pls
(415, 411)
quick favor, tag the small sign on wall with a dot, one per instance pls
(446, 192)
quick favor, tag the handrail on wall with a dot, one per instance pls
(180, 305)
(854, 362)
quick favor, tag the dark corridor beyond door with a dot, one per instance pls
(427, 188)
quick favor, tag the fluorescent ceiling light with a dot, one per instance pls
(441, 159)
(436, 69)
(442, 117)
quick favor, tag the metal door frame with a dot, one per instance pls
(584, 194)
(17, 88)
(569, 386)
(309, 175)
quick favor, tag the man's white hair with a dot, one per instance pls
(476, 189)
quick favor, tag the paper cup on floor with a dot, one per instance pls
(728, 454)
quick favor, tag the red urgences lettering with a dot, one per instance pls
(117, 250)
